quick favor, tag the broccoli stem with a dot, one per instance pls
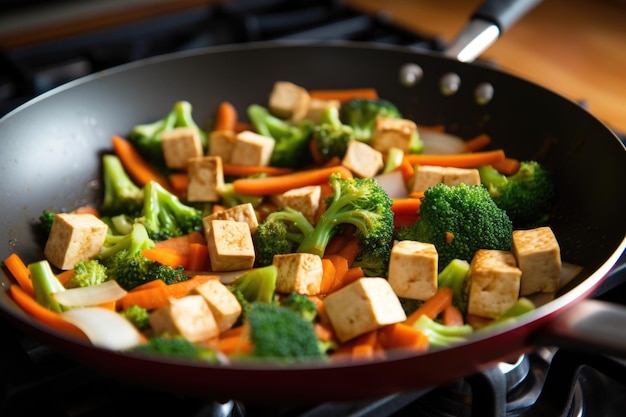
(454, 275)
(45, 284)
(133, 242)
(258, 284)
(440, 335)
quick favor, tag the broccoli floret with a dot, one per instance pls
(45, 284)
(176, 347)
(522, 306)
(125, 264)
(527, 196)
(87, 273)
(361, 114)
(165, 216)
(147, 137)
(273, 238)
(455, 276)
(281, 334)
(459, 220)
(291, 147)
(331, 137)
(138, 316)
(45, 221)
(121, 194)
(301, 304)
(231, 198)
(361, 202)
(257, 285)
(440, 335)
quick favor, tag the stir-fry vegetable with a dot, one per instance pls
(297, 254)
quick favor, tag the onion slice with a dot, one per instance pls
(105, 328)
(393, 183)
(90, 296)
(440, 143)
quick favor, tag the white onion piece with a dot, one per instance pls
(105, 328)
(393, 183)
(90, 296)
(439, 143)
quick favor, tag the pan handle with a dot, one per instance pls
(485, 26)
(592, 326)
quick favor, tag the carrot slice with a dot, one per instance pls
(138, 168)
(452, 316)
(282, 183)
(478, 143)
(403, 206)
(328, 275)
(344, 94)
(237, 170)
(507, 166)
(433, 306)
(225, 117)
(198, 255)
(353, 274)
(458, 160)
(166, 256)
(155, 283)
(341, 268)
(157, 297)
(20, 272)
(401, 335)
(406, 168)
(350, 250)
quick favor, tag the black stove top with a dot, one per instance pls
(35, 380)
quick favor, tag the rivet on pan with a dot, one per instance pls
(411, 74)
(450, 84)
(484, 93)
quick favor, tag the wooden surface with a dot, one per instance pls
(576, 48)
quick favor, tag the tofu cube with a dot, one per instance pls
(250, 148)
(413, 269)
(230, 245)
(304, 199)
(494, 282)
(298, 272)
(74, 238)
(206, 178)
(316, 106)
(539, 257)
(180, 144)
(289, 101)
(241, 213)
(222, 302)
(426, 176)
(222, 143)
(363, 160)
(361, 306)
(392, 132)
(189, 316)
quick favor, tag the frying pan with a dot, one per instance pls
(49, 159)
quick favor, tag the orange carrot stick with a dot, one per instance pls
(406, 168)
(328, 276)
(237, 170)
(363, 347)
(234, 340)
(350, 250)
(198, 255)
(401, 335)
(335, 244)
(225, 117)
(341, 268)
(156, 297)
(409, 205)
(452, 316)
(433, 306)
(20, 272)
(507, 166)
(166, 256)
(345, 94)
(179, 182)
(65, 276)
(39, 312)
(353, 274)
(458, 160)
(478, 143)
(155, 283)
(282, 183)
(138, 168)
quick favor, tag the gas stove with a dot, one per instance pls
(36, 380)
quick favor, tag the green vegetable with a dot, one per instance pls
(440, 335)
(275, 238)
(138, 316)
(527, 196)
(291, 147)
(45, 221)
(124, 262)
(459, 220)
(455, 275)
(88, 273)
(331, 137)
(522, 306)
(361, 114)
(231, 198)
(177, 347)
(360, 202)
(45, 283)
(121, 194)
(257, 285)
(280, 334)
(147, 137)
(301, 304)
(165, 216)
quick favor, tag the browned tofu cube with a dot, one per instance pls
(539, 257)
(240, 213)
(298, 272)
(189, 316)
(206, 178)
(230, 246)
(426, 176)
(289, 101)
(180, 144)
(390, 132)
(413, 269)
(361, 306)
(74, 238)
(252, 149)
(304, 199)
(222, 302)
(222, 143)
(455, 176)
(363, 160)
(494, 284)
(316, 106)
